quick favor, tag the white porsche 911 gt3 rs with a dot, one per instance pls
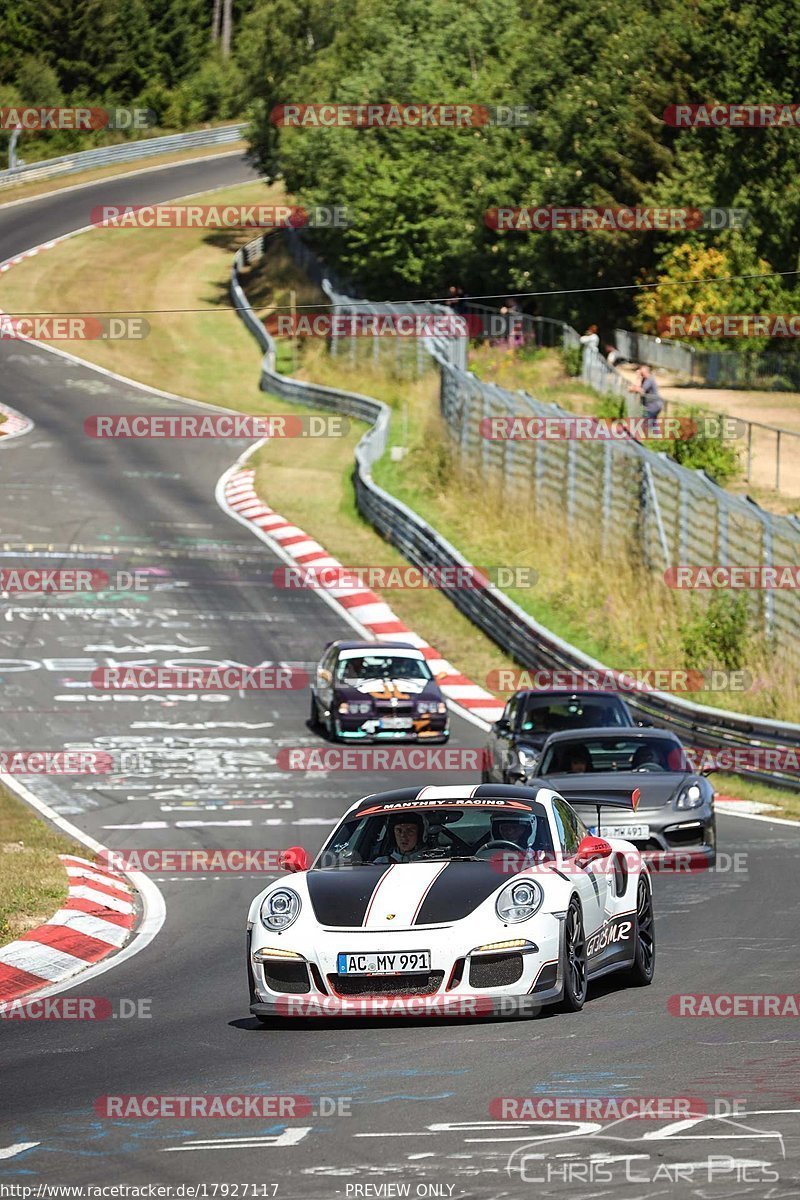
(424, 898)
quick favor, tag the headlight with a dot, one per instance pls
(431, 706)
(690, 797)
(280, 909)
(356, 707)
(519, 901)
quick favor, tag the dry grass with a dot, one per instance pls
(33, 882)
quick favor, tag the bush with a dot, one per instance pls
(720, 635)
(571, 357)
(713, 454)
(610, 408)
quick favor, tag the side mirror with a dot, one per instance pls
(501, 726)
(323, 676)
(592, 848)
(293, 859)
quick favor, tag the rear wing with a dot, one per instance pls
(627, 800)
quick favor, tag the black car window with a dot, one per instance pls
(570, 827)
(612, 754)
(545, 714)
(510, 713)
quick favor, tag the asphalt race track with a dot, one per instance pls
(418, 1093)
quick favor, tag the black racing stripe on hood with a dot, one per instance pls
(459, 889)
(342, 897)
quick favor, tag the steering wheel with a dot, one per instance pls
(500, 844)
(650, 766)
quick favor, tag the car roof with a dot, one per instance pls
(431, 794)
(611, 731)
(373, 647)
(581, 693)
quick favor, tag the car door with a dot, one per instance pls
(500, 741)
(591, 881)
(323, 683)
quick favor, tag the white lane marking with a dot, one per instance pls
(140, 825)
(154, 913)
(178, 824)
(747, 816)
(289, 1137)
(17, 1148)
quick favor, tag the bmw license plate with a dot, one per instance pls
(631, 833)
(396, 723)
(399, 962)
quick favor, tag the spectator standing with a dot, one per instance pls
(649, 395)
(591, 338)
(516, 334)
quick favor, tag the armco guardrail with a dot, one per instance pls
(517, 633)
(123, 152)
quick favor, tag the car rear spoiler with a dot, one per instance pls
(627, 800)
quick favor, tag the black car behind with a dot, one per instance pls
(531, 716)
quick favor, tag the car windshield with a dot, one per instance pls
(422, 833)
(381, 666)
(581, 755)
(544, 714)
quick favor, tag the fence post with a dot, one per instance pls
(769, 600)
(749, 450)
(683, 521)
(608, 481)
(778, 462)
(571, 451)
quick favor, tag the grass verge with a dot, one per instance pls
(33, 883)
(609, 609)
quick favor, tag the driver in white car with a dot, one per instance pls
(406, 834)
